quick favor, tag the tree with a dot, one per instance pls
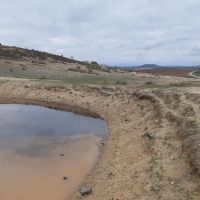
(94, 63)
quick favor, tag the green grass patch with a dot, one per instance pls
(156, 86)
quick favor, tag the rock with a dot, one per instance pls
(61, 154)
(149, 135)
(27, 86)
(146, 90)
(103, 143)
(110, 174)
(65, 178)
(85, 191)
(146, 117)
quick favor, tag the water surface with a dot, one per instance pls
(40, 146)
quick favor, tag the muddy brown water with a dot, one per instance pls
(40, 146)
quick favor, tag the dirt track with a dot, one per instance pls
(167, 72)
(131, 166)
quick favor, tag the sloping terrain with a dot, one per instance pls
(20, 54)
(152, 151)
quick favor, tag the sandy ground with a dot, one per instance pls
(133, 165)
(167, 72)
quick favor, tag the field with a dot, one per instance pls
(197, 73)
(152, 151)
(167, 72)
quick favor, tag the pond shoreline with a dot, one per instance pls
(121, 112)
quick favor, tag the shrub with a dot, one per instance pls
(42, 77)
(149, 83)
(94, 63)
(121, 82)
(23, 67)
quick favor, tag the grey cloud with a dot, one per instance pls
(125, 32)
(195, 50)
(152, 44)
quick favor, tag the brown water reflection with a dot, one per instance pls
(31, 163)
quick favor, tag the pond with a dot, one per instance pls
(46, 154)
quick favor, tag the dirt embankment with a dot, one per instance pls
(142, 158)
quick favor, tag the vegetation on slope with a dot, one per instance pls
(20, 54)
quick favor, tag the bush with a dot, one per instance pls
(42, 77)
(121, 82)
(23, 67)
(149, 83)
(94, 63)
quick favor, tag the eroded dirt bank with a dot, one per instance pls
(142, 158)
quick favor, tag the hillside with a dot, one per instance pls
(21, 54)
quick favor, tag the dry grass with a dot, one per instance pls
(185, 84)
(189, 132)
(154, 101)
(170, 98)
(149, 83)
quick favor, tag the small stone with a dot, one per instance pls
(149, 135)
(110, 174)
(103, 143)
(65, 178)
(172, 183)
(61, 154)
(172, 158)
(85, 191)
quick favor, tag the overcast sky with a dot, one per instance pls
(115, 32)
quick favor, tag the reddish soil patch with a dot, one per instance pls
(167, 72)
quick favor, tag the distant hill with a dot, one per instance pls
(154, 66)
(148, 66)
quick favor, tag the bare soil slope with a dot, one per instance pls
(143, 157)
